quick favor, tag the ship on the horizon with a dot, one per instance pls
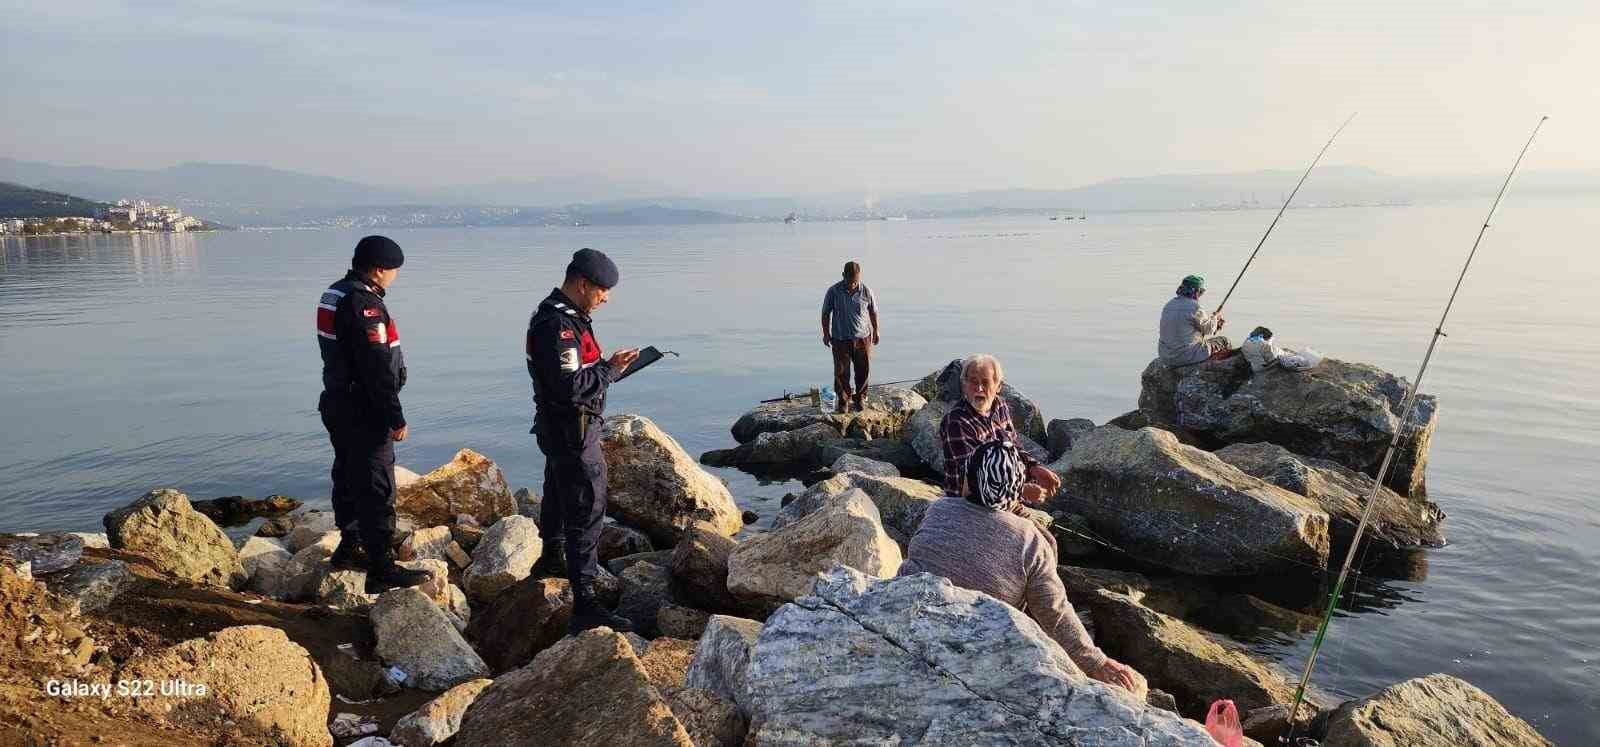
(791, 218)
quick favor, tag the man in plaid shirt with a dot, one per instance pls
(980, 417)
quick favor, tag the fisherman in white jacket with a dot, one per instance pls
(1188, 333)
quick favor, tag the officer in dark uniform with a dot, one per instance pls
(569, 395)
(362, 373)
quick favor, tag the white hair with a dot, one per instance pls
(983, 360)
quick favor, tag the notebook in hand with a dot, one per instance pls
(646, 357)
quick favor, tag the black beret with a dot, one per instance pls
(595, 266)
(378, 251)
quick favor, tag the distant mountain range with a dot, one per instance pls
(17, 201)
(249, 195)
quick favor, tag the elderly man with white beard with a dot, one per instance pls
(979, 418)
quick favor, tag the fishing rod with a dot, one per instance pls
(1274, 222)
(1406, 407)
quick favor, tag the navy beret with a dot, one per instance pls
(378, 251)
(595, 266)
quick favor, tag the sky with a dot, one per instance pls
(730, 98)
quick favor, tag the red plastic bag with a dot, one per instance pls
(1222, 723)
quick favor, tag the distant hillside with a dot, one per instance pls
(17, 201)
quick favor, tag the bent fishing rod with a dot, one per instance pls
(1406, 407)
(1275, 218)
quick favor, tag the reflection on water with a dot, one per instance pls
(137, 361)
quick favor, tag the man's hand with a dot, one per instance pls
(1116, 673)
(623, 358)
(875, 338)
(1220, 321)
(827, 343)
(1032, 494)
(399, 434)
(1047, 480)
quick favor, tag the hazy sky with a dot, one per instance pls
(723, 98)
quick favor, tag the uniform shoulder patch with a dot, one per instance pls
(371, 313)
(569, 360)
(566, 334)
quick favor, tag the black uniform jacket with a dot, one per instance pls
(569, 376)
(362, 366)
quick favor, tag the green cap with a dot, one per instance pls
(1196, 281)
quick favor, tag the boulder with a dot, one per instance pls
(1341, 411)
(901, 501)
(47, 553)
(466, 536)
(770, 569)
(617, 540)
(438, 720)
(1177, 506)
(470, 483)
(254, 677)
(700, 569)
(416, 636)
(1194, 666)
(528, 503)
(1059, 434)
(944, 386)
(264, 560)
(721, 657)
(854, 463)
(1434, 710)
(504, 556)
(799, 448)
(1400, 523)
(922, 431)
(659, 557)
(344, 590)
(97, 540)
(666, 662)
(522, 621)
(90, 586)
(308, 527)
(429, 542)
(177, 540)
(656, 487)
(896, 452)
(677, 621)
(300, 576)
(884, 412)
(916, 660)
(645, 588)
(711, 720)
(586, 689)
(436, 588)
(236, 509)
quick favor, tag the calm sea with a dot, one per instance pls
(136, 362)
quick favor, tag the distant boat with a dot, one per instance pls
(791, 218)
(896, 217)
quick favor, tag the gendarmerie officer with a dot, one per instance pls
(363, 371)
(569, 395)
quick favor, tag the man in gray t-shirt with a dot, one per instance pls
(850, 327)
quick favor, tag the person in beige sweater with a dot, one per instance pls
(978, 543)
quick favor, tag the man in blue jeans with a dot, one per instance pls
(850, 328)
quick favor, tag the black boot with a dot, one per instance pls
(552, 561)
(383, 574)
(587, 613)
(350, 555)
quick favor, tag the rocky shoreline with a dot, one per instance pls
(797, 635)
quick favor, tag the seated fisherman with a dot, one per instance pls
(978, 544)
(980, 417)
(1188, 333)
(1263, 353)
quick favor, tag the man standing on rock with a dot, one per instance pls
(363, 371)
(850, 328)
(569, 396)
(1188, 333)
(982, 417)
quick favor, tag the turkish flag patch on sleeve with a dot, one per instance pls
(371, 313)
(566, 334)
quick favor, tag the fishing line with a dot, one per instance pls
(1406, 408)
(1274, 222)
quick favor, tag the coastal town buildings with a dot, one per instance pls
(125, 215)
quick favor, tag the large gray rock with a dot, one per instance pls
(658, 488)
(438, 720)
(618, 541)
(504, 556)
(769, 569)
(1399, 522)
(801, 448)
(700, 569)
(721, 657)
(416, 636)
(1059, 434)
(896, 452)
(264, 560)
(307, 527)
(344, 590)
(710, 719)
(856, 463)
(1434, 710)
(90, 586)
(301, 576)
(922, 431)
(1341, 411)
(884, 412)
(944, 385)
(916, 660)
(901, 501)
(646, 587)
(177, 539)
(428, 542)
(588, 689)
(1186, 509)
(470, 483)
(521, 622)
(47, 553)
